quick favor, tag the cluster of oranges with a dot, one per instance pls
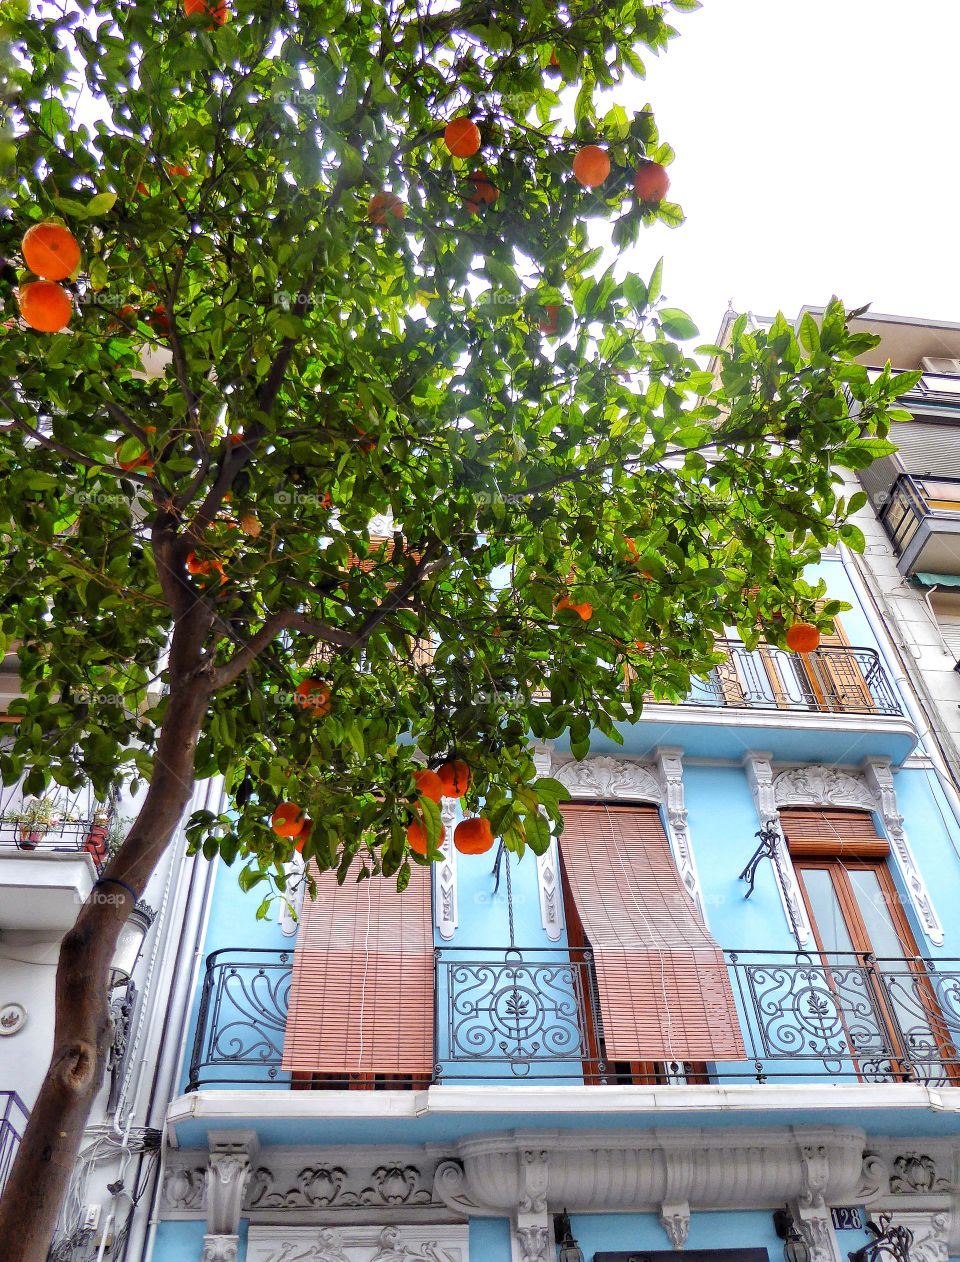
(451, 779)
(50, 251)
(591, 167)
(215, 10)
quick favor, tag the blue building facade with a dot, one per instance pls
(759, 1012)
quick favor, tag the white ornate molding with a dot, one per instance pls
(229, 1166)
(879, 778)
(670, 774)
(760, 778)
(291, 904)
(651, 1171)
(675, 1221)
(445, 874)
(623, 779)
(364, 1243)
(822, 786)
(931, 1234)
(532, 1243)
(873, 790)
(907, 1177)
(551, 897)
(220, 1248)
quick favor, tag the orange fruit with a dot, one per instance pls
(585, 610)
(176, 168)
(51, 251)
(462, 137)
(554, 63)
(631, 554)
(429, 784)
(288, 820)
(236, 439)
(483, 193)
(142, 189)
(473, 836)
(250, 525)
(304, 835)
(591, 166)
(455, 778)
(651, 182)
(45, 306)
(158, 320)
(313, 695)
(552, 321)
(382, 204)
(195, 565)
(417, 836)
(142, 461)
(217, 12)
(802, 637)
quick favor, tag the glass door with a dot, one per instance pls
(872, 970)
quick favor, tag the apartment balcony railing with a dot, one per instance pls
(67, 837)
(13, 1120)
(533, 1016)
(831, 680)
(922, 518)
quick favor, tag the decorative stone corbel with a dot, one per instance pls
(760, 777)
(670, 774)
(675, 1221)
(815, 1226)
(879, 779)
(450, 1189)
(446, 873)
(531, 1227)
(229, 1167)
(219, 1249)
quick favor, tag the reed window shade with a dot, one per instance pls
(663, 985)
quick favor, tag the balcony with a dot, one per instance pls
(48, 869)
(922, 518)
(835, 703)
(532, 1017)
(13, 1120)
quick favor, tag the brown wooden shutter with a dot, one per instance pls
(361, 996)
(815, 832)
(664, 987)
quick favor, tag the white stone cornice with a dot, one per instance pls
(649, 1171)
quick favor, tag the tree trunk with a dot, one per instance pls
(40, 1176)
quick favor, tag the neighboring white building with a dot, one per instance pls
(52, 851)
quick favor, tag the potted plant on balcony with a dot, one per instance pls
(34, 818)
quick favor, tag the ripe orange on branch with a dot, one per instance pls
(483, 192)
(429, 784)
(288, 820)
(382, 204)
(803, 637)
(50, 250)
(313, 695)
(473, 836)
(551, 323)
(591, 166)
(216, 10)
(417, 836)
(651, 183)
(455, 778)
(45, 306)
(462, 137)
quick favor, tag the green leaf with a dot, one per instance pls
(677, 323)
(100, 204)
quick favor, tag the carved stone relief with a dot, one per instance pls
(443, 1243)
(324, 1186)
(445, 874)
(670, 769)
(603, 777)
(220, 1248)
(760, 777)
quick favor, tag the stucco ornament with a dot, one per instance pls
(822, 786)
(612, 778)
(358, 1244)
(533, 1242)
(220, 1249)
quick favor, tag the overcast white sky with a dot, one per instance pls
(818, 152)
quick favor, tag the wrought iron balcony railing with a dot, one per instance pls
(13, 1120)
(85, 836)
(832, 680)
(533, 1016)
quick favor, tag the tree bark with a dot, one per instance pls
(40, 1176)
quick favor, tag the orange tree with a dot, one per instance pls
(297, 311)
